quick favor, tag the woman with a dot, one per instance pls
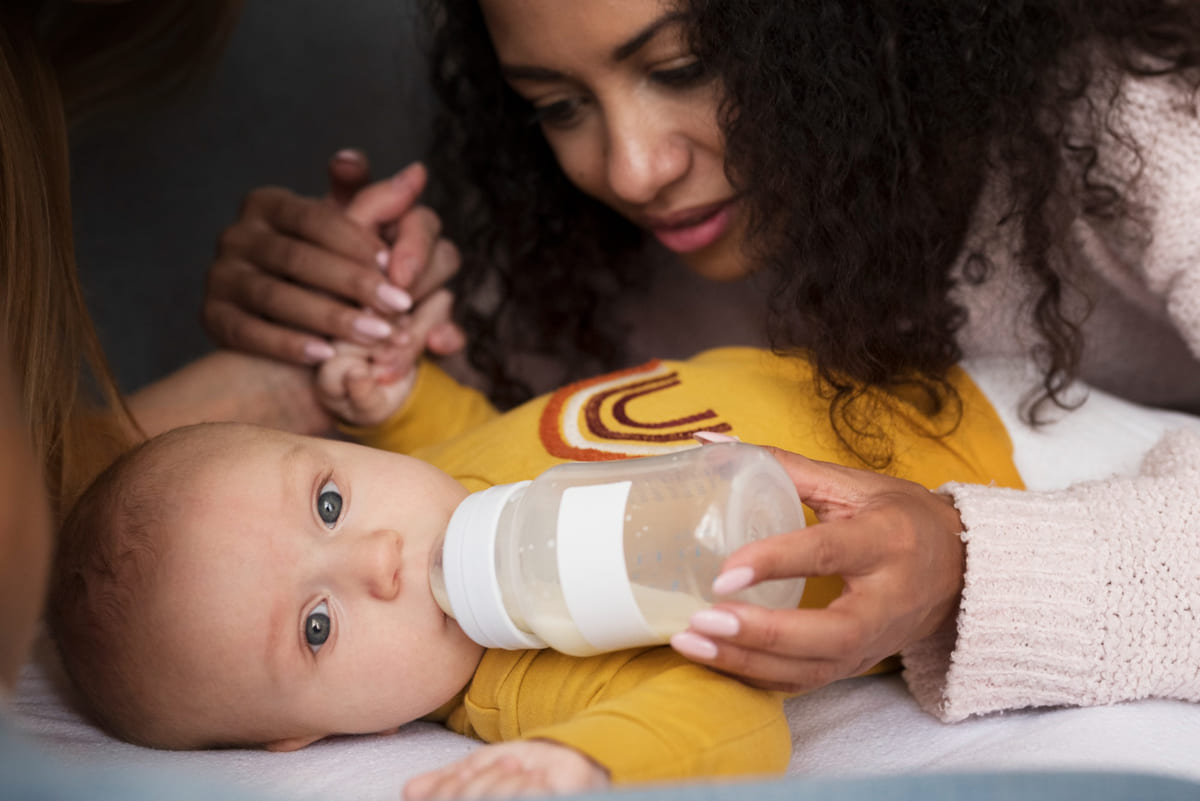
(916, 183)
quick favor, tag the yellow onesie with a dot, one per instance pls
(648, 713)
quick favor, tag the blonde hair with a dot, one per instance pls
(89, 56)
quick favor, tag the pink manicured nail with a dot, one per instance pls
(315, 352)
(715, 623)
(372, 327)
(731, 581)
(694, 646)
(382, 258)
(394, 298)
(710, 437)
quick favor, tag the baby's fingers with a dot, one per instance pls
(361, 387)
(468, 780)
(433, 314)
(424, 786)
(513, 779)
(438, 783)
(330, 379)
(503, 778)
(438, 260)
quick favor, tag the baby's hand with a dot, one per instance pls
(365, 386)
(355, 387)
(525, 768)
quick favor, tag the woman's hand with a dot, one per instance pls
(524, 768)
(293, 272)
(895, 544)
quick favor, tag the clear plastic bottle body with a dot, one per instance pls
(597, 556)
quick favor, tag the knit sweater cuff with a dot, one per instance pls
(1086, 596)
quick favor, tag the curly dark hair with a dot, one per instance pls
(861, 134)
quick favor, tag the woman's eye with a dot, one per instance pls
(563, 112)
(317, 627)
(329, 504)
(689, 74)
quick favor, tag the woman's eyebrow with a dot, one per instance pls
(522, 72)
(639, 40)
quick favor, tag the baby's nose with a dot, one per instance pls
(378, 563)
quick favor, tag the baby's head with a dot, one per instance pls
(225, 584)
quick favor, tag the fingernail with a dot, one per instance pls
(371, 327)
(348, 154)
(382, 258)
(394, 298)
(693, 645)
(715, 623)
(708, 437)
(315, 352)
(731, 581)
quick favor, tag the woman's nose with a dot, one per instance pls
(375, 563)
(645, 155)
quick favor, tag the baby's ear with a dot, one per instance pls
(292, 743)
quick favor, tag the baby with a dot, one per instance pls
(231, 585)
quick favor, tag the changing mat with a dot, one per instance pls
(865, 726)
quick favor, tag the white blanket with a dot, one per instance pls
(856, 727)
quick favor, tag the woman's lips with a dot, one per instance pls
(696, 231)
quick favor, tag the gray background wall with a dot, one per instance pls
(153, 189)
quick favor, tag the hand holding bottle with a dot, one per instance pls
(898, 549)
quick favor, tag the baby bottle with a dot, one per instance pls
(600, 556)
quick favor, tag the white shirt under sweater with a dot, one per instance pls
(1091, 595)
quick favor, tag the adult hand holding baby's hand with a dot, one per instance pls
(365, 386)
(504, 770)
(293, 272)
(896, 545)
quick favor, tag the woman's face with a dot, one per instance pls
(631, 116)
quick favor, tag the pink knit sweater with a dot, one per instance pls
(1091, 595)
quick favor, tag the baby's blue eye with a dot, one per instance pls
(317, 627)
(329, 504)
